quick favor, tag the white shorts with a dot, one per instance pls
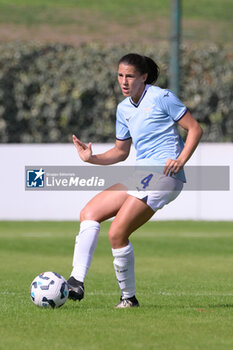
(155, 189)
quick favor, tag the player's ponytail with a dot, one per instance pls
(143, 64)
(152, 70)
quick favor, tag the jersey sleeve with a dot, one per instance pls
(172, 106)
(122, 130)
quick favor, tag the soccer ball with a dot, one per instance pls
(49, 290)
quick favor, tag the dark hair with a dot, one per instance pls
(143, 65)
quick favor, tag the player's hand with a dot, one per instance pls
(172, 166)
(84, 151)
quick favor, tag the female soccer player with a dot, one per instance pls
(148, 117)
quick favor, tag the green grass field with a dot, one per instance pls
(184, 279)
(114, 21)
(206, 9)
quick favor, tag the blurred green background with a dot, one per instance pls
(106, 20)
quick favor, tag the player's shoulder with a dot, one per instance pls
(123, 107)
(159, 92)
(123, 103)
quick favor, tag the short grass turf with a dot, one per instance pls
(120, 10)
(112, 22)
(184, 282)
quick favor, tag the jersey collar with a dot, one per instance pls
(141, 98)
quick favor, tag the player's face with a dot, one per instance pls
(131, 81)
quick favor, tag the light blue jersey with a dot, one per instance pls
(151, 123)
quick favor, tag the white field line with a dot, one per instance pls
(178, 294)
(184, 235)
(27, 235)
(147, 234)
(168, 294)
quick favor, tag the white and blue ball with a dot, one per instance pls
(49, 290)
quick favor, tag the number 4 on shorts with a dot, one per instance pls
(146, 180)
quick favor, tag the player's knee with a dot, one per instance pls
(87, 214)
(117, 238)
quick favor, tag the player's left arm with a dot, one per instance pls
(194, 135)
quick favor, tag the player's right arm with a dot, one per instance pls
(116, 154)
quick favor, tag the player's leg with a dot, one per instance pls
(133, 214)
(103, 206)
